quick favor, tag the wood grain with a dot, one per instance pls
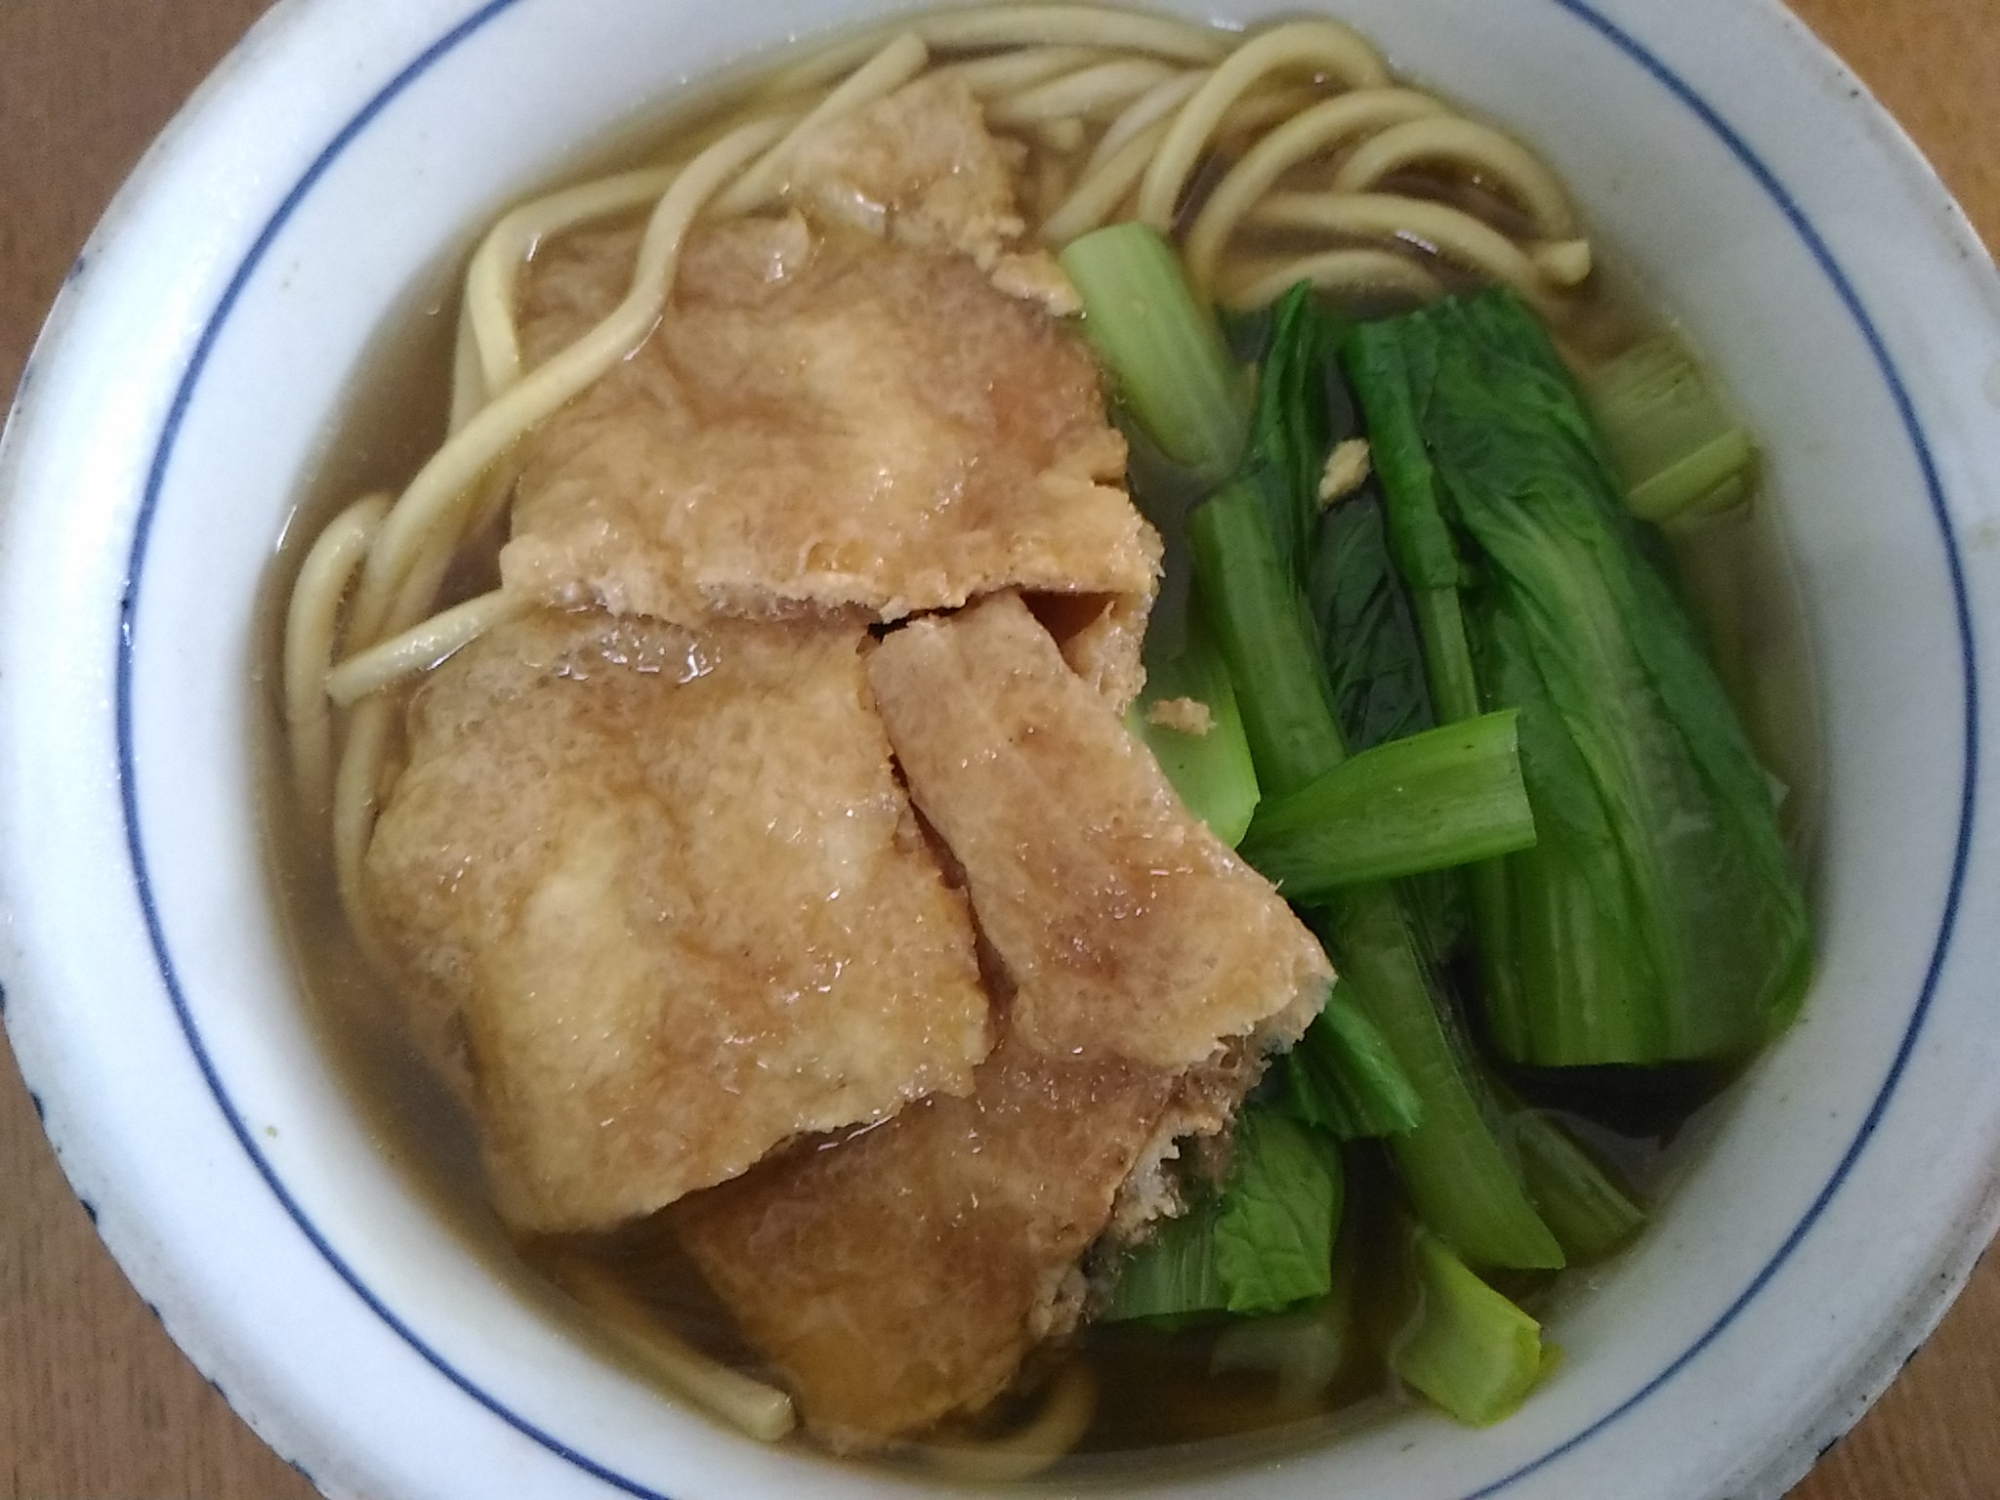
(95, 1402)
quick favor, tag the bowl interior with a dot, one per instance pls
(438, 1368)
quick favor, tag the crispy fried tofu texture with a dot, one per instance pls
(921, 167)
(904, 1274)
(826, 420)
(918, 165)
(1128, 929)
(667, 882)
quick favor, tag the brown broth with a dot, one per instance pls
(1160, 1404)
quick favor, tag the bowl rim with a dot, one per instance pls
(1882, 1362)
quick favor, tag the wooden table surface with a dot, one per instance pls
(95, 1403)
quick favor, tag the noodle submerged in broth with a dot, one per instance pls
(722, 751)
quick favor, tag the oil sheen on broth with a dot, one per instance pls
(1076, 114)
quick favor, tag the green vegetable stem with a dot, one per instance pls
(1167, 360)
(1265, 1242)
(1674, 447)
(1443, 797)
(1457, 1172)
(1467, 1348)
(1657, 918)
(1210, 768)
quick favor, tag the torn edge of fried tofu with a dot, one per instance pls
(665, 883)
(919, 165)
(1126, 926)
(903, 1275)
(837, 418)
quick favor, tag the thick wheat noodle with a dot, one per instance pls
(1099, 192)
(1062, 1421)
(822, 65)
(1065, 137)
(441, 489)
(1051, 186)
(1007, 72)
(312, 622)
(1147, 110)
(362, 752)
(888, 70)
(357, 783)
(440, 501)
(1086, 93)
(1317, 129)
(427, 573)
(1154, 107)
(468, 384)
(1032, 44)
(1261, 108)
(1072, 25)
(1321, 46)
(434, 561)
(418, 597)
(496, 265)
(1103, 185)
(1354, 271)
(1565, 262)
(1454, 235)
(421, 647)
(762, 1411)
(1477, 149)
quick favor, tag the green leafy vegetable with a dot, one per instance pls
(1302, 410)
(1468, 1349)
(1258, 609)
(1173, 1275)
(1587, 1212)
(1373, 652)
(1460, 1176)
(1166, 357)
(1375, 671)
(1672, 444)
(1343, 1077)
(1441, 798)
(1274, 1232)
(1456, 1166)
(1264, 1243)
(1374, 660)
(1657, 918)
(1212, 772)
(1305, 1348)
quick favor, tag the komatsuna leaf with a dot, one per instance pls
(1173, 1275)
(1343, 1077)
(1376, 678)
(1264, 1242)
(1658, 917)
(1302, 410)
(1274, 1233)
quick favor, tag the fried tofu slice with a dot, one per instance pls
(1128, 929)
(667, 887)
(903, 1274)
(921, 167)
(824, 420)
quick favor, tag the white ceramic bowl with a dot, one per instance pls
(334, 170)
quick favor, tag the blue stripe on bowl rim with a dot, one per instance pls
(1625, 43)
